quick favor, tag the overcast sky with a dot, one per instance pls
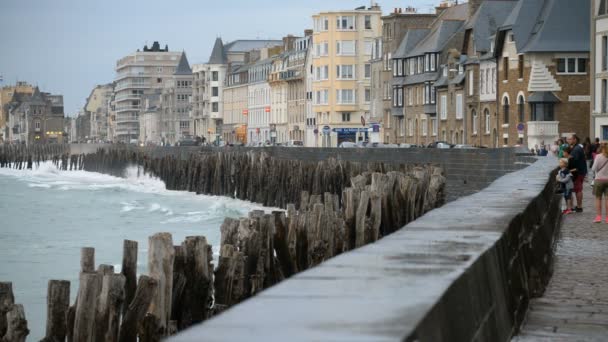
(69, 46)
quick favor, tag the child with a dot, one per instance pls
(564, 177)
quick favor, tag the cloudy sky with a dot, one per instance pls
(69, 46)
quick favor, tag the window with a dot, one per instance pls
(322, 73)
(604, 96)
(444, 107)
(493, 80)
(368, 22)
(505, 67)
(410, 127)
(397, 97)
(345, 117)
(425, 128)
(486, 114)
(368, 94)
(184, 124)
(345, 72)
(37, 125)
(572, 65)
(434, 127)
(321, 49)
(215, 91)
(345, 96)
(321, 24)
(368, 47)
(368, 70)
(542, 112)
(433, 62)
(604, 53)
(459, 106)
(321, 97)
(214, 76)
(482, 82)
(159, 70)
(505, 109)
(471, 83)
(520, 108)
(511, 37)
(474, 116)
(520, 66)
(345, 22)
(345, 47)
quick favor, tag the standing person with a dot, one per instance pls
(580, 166)
(555, 148)
(564, 177)
(600, 187)
(562, 146)
(587, 147)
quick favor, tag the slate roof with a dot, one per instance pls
(218, 55)
(183, 68)
(543, 96)
(435, 41)
(248, 45)
(410, 40)
(550, 25)
(420, 78)
(488, 18)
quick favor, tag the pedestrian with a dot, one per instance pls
(562, 146)
(564, 177)
(580, 166)
(587, 147)
(555, 148)
(600, 183)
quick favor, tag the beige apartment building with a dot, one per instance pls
(138, 73)
(6, 95)
(342, 48)
(235, 105)
(98, 105)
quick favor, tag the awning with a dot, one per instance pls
(543, 97)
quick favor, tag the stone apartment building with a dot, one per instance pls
(288, 91)
(462, 88)
(235, 105)
(98, 107)
(599, 67)
(6, 95)
(36, 119)
(175, 103)
(259, 102)
(416, 68)
(209, 81)
(342, 48)
(394, 27)
(543, 72)
(138, 73)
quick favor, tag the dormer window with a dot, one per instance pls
(445, 71)
(460, 69)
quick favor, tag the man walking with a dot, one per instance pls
(580, 169)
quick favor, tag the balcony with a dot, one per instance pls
(123, 97)
(540, 132)
(123, 75)
(129, 85)
(126, 108)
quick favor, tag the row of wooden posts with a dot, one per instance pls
(25, 157)
(256, 252)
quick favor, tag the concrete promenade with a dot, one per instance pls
(575, 304)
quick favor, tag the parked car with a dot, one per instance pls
(187, 140)
(440, 144)
(347, 144)
(463, 146)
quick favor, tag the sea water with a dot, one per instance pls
(47, 215)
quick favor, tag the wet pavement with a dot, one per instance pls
(575, 304)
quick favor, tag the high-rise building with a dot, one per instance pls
(342, 47)
(138, 73)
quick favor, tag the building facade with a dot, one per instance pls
(543, 72)
(259, 102)
(98, 106)
(6, 96)
(236, 105)
(342, 48)
(36, 119)
(138, 73)
(599, 67)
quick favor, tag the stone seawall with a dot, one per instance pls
(463, 272)
(466, 171)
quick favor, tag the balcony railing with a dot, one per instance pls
(129, 85)
(126, 108)
(543, 128)
(122, 97)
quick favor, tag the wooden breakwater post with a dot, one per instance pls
(19, 156)
(13, 325)
(58, 304)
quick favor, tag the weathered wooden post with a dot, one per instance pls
(199, 279)
(16, 329)
(84, 322)
(129, 270)
(58, 303)
(161, 256)
(134, 316)
(109, 306)
(87, 259)
(7, 300)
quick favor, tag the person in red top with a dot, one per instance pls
(600, 185)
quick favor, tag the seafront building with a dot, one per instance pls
(139, 73)
(6, 95)
(98, 108)
(342, 47)
(599, 69)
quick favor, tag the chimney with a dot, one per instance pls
(474, 6)
(308, 33)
